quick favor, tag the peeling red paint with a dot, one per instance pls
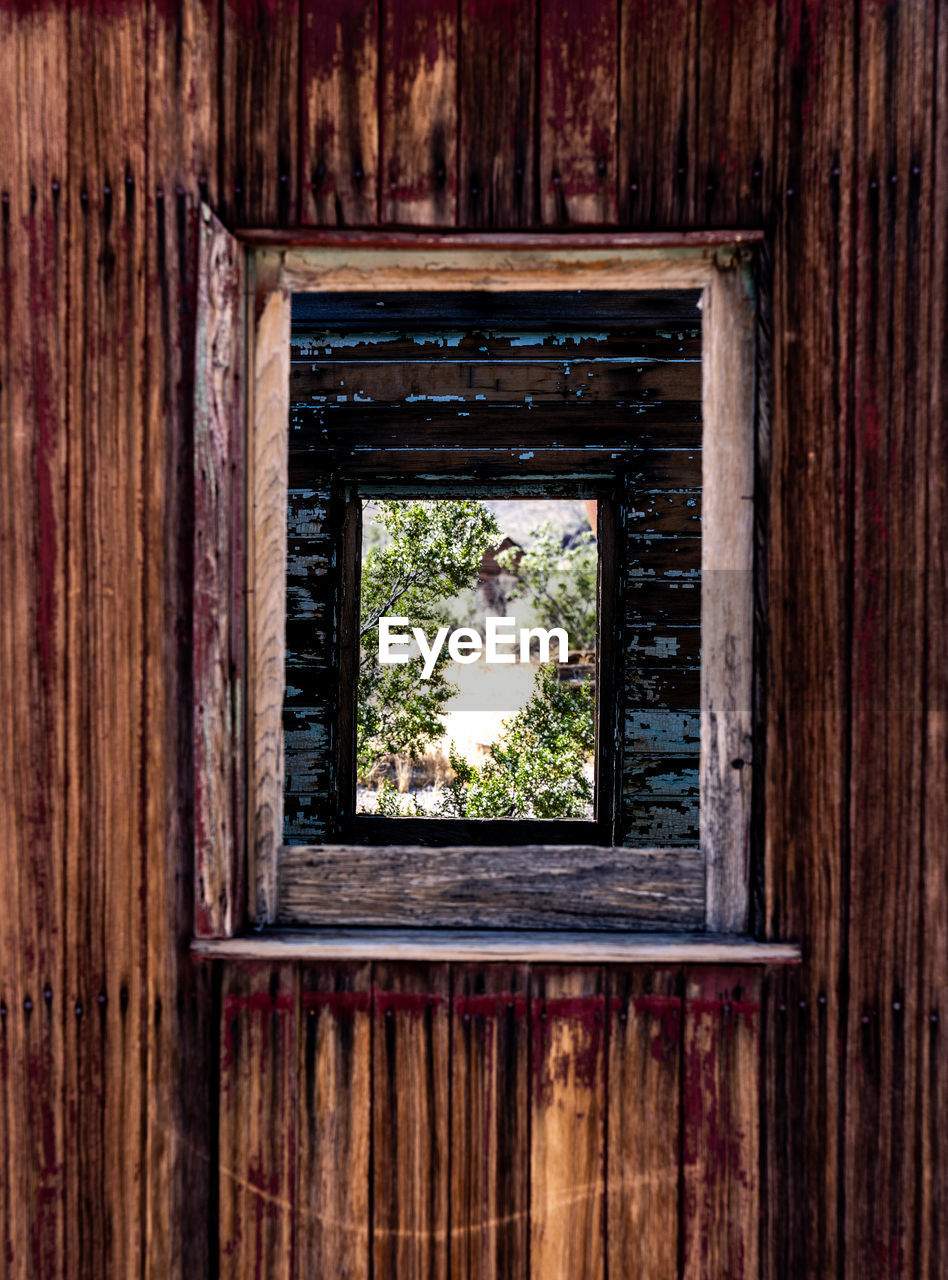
(254, 1012)
(338, 1003)
(407, 1002)
(667, 1009)
(583, 1058)
(490, 1006)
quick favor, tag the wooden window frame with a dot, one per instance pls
(240, 858)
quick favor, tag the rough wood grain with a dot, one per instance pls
(497, 109)
(411, 1122)
(37, 1195)
(727, 594)
(567, 1124)
(525, 887)
(471, 946)
(257, 1121)
(218, 582)
(789, 1098)
(335, 1106)
(266, 575)
(418, 105)
(490, 1197)
(658, 103)
(854, 815)
(180, 1051)
(731, 150)
(578, 111)
(258, 142)
(411, 267)
(720, 1123)
(930, 1228)
(893, 247)
(805, 851)
(105, 700)
(339, 125)
(644, 1122)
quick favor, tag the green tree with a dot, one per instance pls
(559, 583)
(432, 551)
(535, 768)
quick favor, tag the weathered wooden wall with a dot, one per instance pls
(826, 124)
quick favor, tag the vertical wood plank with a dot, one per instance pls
(809, 515)
(720, 1123)
(658, 102)
(182, 1031)
(33, 640)
(644, 1122)
(418, 109)
(727, 594)
(258, 181)
(932, 1086)
(183, 112)
(497, 103)
(732, 149)
(411, 1122)
(567, 1137)
(578, 111)
(339, 125)
(105, 863)
(490, 1148)
(790, 1090)
(218, 582)
(335, 1109)
(266, 541)
(257, 1121)
(891, 387)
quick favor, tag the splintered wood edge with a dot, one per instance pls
(538, 946)
(316, 238)
(268, 415)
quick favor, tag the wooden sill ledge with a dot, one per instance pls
(474, 946)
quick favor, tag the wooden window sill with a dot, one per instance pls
(476, 946)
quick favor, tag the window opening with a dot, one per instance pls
(582, 398)
(477, 665)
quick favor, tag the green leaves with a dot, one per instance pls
(434, 550)
(535, 768)
(559, 584)
(429, 553)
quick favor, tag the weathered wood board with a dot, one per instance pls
(825, 126)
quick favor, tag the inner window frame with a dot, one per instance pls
(370, 829)
(724, 272)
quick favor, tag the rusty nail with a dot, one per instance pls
(28, 1004)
